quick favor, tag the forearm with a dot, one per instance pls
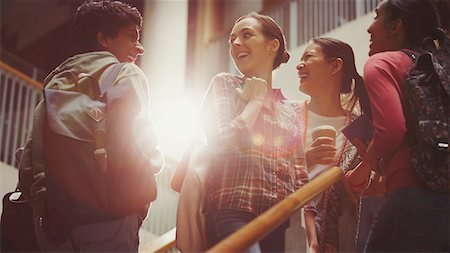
(225, 118)
(311, 233)
(26, 171)
(251, 111)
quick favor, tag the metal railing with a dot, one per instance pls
(164, 243)
(22, 65)
(19, 96)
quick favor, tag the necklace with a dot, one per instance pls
(305, 128)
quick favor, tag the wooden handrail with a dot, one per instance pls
(275, 216)
(162, 243)
(22, 76)
(263, 224)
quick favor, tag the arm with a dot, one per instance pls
(225, 127)
(145, 133)
(358, 177)
(383, 87)
(311, 233)
(309, 209)
(26, 171)
(31, 167)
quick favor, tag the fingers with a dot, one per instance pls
(256, 88)
(323, 140)
(326, 161)
(323, 154)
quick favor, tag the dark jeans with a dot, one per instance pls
(223, 223)
(120, 235)
(411, 220)
(370, 206)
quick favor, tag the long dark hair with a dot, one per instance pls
(420, 20)
(332, 49)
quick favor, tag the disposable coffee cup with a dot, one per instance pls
(324, 131)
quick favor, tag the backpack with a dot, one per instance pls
(94, 169)
(426, 98)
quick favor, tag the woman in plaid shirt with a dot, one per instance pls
(253, 133)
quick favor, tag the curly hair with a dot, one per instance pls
(105, 16)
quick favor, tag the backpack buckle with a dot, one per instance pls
(100, 151)
(100, 156)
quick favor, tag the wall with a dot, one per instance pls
(235, 9)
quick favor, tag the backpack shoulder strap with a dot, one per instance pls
(412, 55)
(406, 110)
(108, 82)
(100, 152)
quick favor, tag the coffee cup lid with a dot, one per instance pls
(323, 127)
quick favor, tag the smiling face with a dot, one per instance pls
(252, 53)
(314, 70)
(381, 37)
(125, 45)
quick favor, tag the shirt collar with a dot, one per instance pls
(278, 95)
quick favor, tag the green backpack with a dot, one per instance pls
(94, 169)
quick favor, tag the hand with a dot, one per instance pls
(254, 89)
(371, 163)
(321, 151)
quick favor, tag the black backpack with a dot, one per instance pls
(426, 99)
(94, 169)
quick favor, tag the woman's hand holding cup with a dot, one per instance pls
(323, 148)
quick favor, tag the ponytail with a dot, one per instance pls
(358, 98)
(363, 97)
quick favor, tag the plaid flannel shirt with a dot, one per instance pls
(253, 169)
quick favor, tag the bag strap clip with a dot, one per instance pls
(100, 151)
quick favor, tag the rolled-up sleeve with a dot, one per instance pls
(145, 133)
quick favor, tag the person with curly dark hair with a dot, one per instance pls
(70, 213)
